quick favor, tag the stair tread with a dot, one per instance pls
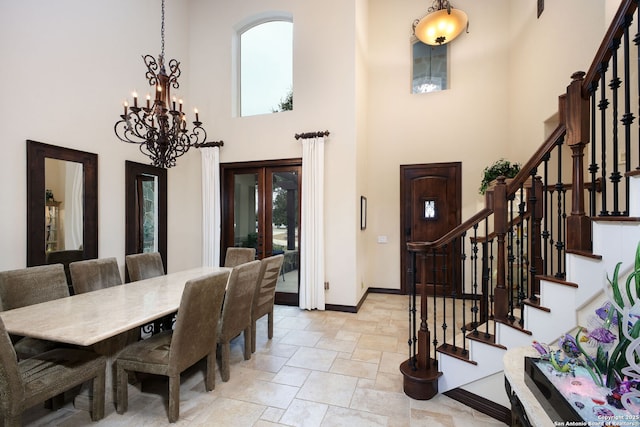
(488, 339)
(584, 253)
(515, 324)
(456, 352)
(536, 304)
(558, 281)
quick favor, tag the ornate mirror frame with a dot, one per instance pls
(36, 154)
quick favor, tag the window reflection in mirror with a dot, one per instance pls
(63, 205)
(145, 209)
(429, 68)
(147, 196)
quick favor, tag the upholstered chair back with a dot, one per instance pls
(32, 285)
(11, 386)
(236, 256)
(236, 310)
(144, 266)
(195, 332)
(93, 274)
(264, 296)
(266, 285)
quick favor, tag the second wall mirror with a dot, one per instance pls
(145, 209)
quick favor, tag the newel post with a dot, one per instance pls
(501, 295)
(577, 125)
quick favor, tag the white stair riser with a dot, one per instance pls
(458, 372)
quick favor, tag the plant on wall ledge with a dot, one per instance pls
(501, 167)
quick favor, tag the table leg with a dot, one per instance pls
(110, 348)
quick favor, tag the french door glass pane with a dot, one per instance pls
(245, 221)
(285, 225)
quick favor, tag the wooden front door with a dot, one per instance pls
(430, 207)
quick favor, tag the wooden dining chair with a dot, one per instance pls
(171, 352)
(37, 379)
(236, 256)
(144, 266)
(236, 313)
(264, 295)
(93, 274)
(27, 286)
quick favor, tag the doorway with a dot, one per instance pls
(261, 210)
(430, 205)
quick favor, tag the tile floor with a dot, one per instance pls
(320, 369)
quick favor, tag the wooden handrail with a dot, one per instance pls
(623, 15)
(454, 233)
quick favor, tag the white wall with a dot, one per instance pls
(505, 77)
(543, 53)
(324, 82)
(463, 124)
(68, 65)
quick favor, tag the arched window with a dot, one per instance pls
(266, 67)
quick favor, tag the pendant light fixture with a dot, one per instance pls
(160, 127)
(441, 25)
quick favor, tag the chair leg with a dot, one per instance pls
(122, 394)
(247, 342)
(253, 336)
(174, 398)
(225, 355)
(210, 378)
(270, 324)
(97, 404)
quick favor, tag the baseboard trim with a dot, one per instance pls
(480, 404)
(342, 308)
(385, 291)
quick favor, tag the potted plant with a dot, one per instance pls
(500, 167)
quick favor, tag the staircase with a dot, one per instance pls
(532, 265)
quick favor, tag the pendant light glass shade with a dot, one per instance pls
(441, 26)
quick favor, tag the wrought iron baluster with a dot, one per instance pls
(560, 238)
(614, 85)
(443, 272)
(486, 277)
(545, 213)
(593, 167)
(464, 299)
(603, 106)
(474, 266)
(510, 259)
(628, 117)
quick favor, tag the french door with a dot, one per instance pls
(261, 210)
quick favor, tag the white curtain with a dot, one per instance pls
(312, 225)
(73, 201)
(210, 206)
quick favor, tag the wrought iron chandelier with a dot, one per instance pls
(442, 24)
(159, 128)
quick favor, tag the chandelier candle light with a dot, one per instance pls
(160, 128)
(442, 24)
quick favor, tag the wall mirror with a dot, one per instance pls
(62, 204)
(429, 68)
(145, 209)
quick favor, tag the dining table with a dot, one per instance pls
(103, 319)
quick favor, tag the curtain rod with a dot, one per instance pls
(312, 134)
(209, 144)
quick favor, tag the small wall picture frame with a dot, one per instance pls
(363, 212)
